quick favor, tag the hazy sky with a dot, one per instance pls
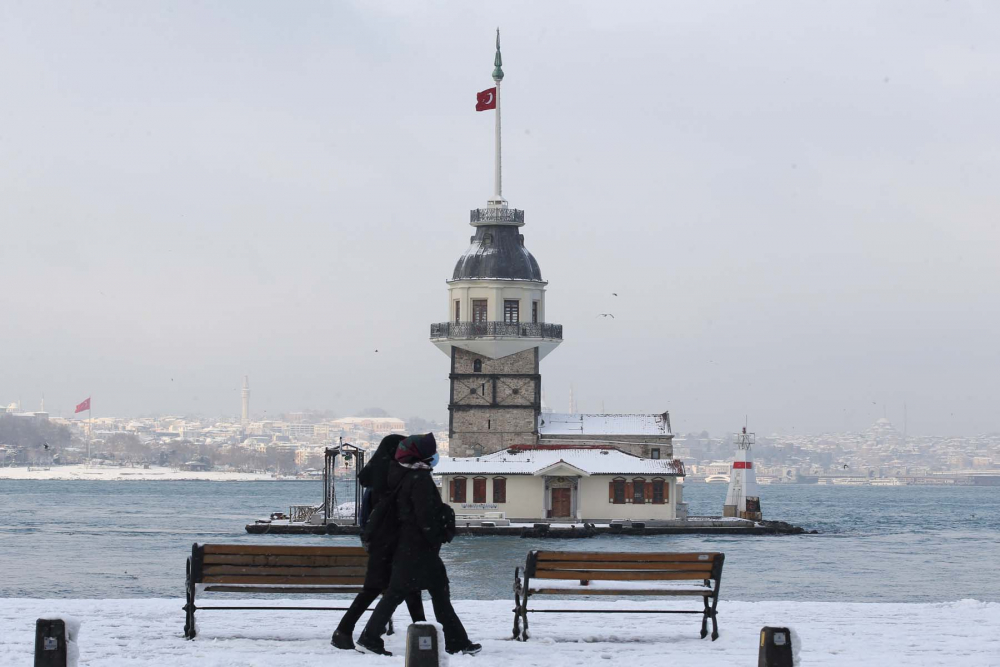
(797, 203)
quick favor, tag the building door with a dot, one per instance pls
(479, 314)
(561, 503)
(479, 317)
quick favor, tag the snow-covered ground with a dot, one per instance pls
(115, 473)
(148, 632)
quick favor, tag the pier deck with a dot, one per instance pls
(565, 530)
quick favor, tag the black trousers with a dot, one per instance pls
(413, 603)
(455, 637)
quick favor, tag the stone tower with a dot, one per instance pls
(496, 334)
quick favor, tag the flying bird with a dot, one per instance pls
(614, 294)
(46, 445)
(605, 315)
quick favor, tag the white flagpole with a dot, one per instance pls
(497, 165)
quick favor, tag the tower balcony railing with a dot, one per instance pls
(494, 329)
(500, 215)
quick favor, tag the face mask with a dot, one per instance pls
(433, 461)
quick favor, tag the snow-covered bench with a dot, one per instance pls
(619, 575)
(248, 568)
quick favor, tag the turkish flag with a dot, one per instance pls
(83, 406)
(486, 99)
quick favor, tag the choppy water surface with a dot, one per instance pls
(130, 539)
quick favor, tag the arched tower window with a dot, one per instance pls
(477, 366)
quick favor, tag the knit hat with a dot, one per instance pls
(416, 448)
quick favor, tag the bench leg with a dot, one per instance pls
(704, 618)
(715, 614)
(189, 608)
(524, 613)
(517, 603)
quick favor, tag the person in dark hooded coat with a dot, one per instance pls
(375, 478)
(416, 563)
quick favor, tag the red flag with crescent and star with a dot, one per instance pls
(486, 100)
(83, 406)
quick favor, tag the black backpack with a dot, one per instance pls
(382, 520)
(447, 523)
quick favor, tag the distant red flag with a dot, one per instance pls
(486, 99)
(83, 406)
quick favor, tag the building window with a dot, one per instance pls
(510, 311)
(473, 391)
(477, 450)
(617, 491)
(458, 490)
(534, 312)
(479, 314)
(499, 489)
(638, 491)
(477, 367)
(458, 311)
(479, 490)
(654, 453)
(659, 492)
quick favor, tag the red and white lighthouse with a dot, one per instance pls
(743, 498)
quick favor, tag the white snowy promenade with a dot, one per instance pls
(148, 632)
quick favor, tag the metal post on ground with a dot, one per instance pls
(50, 642)
(423, 647)
(775, 648)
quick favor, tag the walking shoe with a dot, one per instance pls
(365, 645)
(342, 640)
(471, 649)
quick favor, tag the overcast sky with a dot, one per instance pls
(796, 202)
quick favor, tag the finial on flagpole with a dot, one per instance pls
(497, 62)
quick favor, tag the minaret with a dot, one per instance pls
(743, 498)
(496, 333)
(245, 418)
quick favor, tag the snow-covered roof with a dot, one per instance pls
(539, 460)
(558, 423)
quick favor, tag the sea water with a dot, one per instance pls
(98, 539)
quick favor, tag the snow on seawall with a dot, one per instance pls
(147, 633)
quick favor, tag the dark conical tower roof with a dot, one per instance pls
(497, 252)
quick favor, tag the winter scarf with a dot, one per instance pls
(416, 449)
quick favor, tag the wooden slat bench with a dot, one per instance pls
(619, 575)
(248, 568)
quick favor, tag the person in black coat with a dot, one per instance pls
(375, 478)
(416, 563)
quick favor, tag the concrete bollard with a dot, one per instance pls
(775, 648)
(50, 642)
(424, 646)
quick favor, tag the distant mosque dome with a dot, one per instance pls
(497, 252)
